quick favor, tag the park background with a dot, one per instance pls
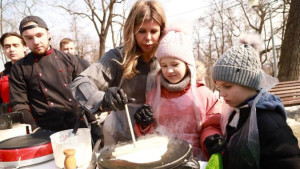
(96, 26)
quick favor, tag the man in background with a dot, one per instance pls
(39, 83)
(14, 48)
(67, 45)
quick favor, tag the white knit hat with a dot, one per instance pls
(177, 42)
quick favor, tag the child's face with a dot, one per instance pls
(173, 69)
(234, 94)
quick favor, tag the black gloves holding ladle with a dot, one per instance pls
(115, 99)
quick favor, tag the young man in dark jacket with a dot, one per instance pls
(14, 48)
(39, 83)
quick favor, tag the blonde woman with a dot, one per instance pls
(122, 73)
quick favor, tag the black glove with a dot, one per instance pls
(114, 99)
(3, 108)
(28, 119)
(96, 132)
(144, 115)
(214, 144)
(7, 119)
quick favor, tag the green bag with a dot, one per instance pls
(215, 162)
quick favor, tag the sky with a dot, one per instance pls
(58, 21)
(186, 9)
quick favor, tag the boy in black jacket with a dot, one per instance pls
(256, 131)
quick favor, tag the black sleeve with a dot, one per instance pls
(84, 63)
(278, 145)
(18, 88)
(1, 74)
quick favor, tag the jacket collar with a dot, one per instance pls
(49, 52)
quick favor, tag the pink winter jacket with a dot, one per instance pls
(177, 116)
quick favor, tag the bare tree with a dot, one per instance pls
(87, 48)
(230, 18)
(226, 20)
(117, 35)
(9, 18)
(1, 17)
(81, 40)
(3, 58)
(290, 52)
(285, 10)
(24, 7)
(220, 27)
(101, 17)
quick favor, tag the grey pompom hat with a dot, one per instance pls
(240, 65)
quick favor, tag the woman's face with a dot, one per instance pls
(173, 69)
(147, 37)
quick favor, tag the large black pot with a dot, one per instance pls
(178, 153)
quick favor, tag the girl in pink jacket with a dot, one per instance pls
(177, 104)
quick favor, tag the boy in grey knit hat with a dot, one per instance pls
(255, 127)
(239, 65)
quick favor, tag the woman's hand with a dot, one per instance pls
(114, 99)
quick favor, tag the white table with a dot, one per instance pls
(47, 165)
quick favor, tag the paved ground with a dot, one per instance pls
(295, 127)
(294, 120)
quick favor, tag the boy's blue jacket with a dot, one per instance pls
(278, 146)
(270, 102)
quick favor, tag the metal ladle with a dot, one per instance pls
(130, 125)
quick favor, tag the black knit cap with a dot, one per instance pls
(39, 21)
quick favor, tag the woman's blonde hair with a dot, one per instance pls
(142, 10)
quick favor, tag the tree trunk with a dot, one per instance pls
(289, 63)
(101, 47)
